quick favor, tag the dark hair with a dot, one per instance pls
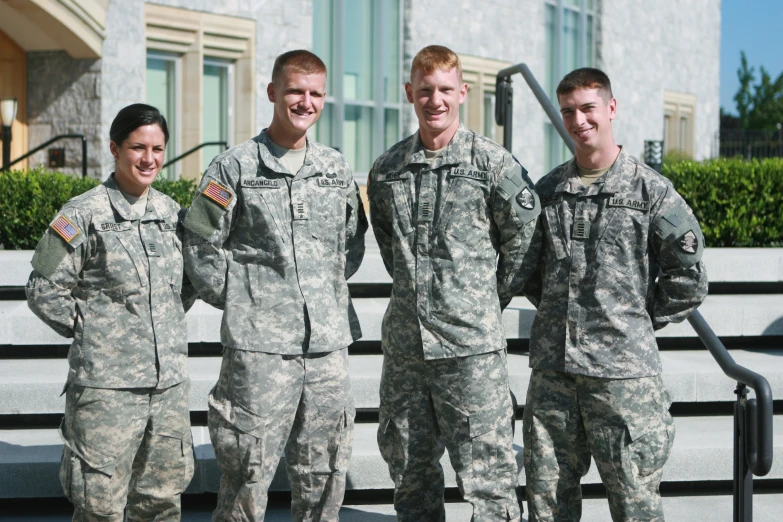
(586, 78)
(134, 116)
(299, 60)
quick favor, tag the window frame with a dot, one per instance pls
(174, 146)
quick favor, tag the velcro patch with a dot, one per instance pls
(111, 226)
(327, 182)
(261, 183)
(635, 204)
(461, 172)
(688, 242)
(65, 229)
(218, 194)
(168, 227)
(394, 176)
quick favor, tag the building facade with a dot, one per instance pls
(72, 64)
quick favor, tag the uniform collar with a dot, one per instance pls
(608, 183)
(311, 166)
(459, 150)
(156, 206)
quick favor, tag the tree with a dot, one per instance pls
(760, 106)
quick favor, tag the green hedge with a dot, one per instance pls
(738, 203)
(30, 199)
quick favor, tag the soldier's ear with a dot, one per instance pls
(409, 91)
(270, 92)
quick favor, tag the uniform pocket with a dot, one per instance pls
(465, 214)
(87, 475)
(175, 476)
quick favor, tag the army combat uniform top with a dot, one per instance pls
(622, 258)
(459, 238)
(115, 284)
(455, 235)
(276, 257)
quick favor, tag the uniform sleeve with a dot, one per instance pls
(57, 263)
(677, 242)
(207, 224)
(381, 222)
(355, 229)
(515, 209)
(188, 294)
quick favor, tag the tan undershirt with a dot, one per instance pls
(292, 159)
(138, 204)
(430, 155)
(588, 176)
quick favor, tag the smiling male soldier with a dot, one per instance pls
(274, 232)
(621, 258)
(455, 218)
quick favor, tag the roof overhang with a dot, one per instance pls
(74, 26)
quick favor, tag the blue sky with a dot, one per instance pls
(753, 26)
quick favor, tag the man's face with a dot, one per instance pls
(298, 100)
(588, 116)
(436, 97)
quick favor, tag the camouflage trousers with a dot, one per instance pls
(460, 404)
(123, 446)
(264, 403)
(623, 423)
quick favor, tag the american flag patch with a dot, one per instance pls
(65, 228)
(218, 194)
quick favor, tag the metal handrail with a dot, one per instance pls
(194, 149)
(49, 142)
(752, 417)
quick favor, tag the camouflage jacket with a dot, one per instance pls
(115, 284)
(459, 238)
(274, 250)
(621, 258)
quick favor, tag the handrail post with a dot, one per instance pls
(743, 479)
(84, 156)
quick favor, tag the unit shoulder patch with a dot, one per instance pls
(65, 229)
(688, 242)
(525, 199)
(218, 193)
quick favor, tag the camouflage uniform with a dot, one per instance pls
(274, 251)
(115, 284)
(440, 228)
(621, 258)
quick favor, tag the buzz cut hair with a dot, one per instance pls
(436, 57)
(300, 60)
(586, 78)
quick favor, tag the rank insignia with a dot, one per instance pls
(688, 242)
(218, 194)
(65, 228)
(525, 199)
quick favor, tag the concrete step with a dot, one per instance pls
(723, 265)
(728, 315)
(29, 459)
(33, 386)
(713, 508)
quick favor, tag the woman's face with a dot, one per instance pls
(139, 159)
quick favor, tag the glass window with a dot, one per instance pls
(161, 84)
(360, 44)
(489, 115)
(570, 44)
(216, 107)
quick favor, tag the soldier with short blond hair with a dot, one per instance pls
(274, 232)
(455, 218)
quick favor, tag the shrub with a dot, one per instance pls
(29, 200)
(738, 203)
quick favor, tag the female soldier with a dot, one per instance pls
(108, 272)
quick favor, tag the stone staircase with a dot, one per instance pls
(745, 308)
